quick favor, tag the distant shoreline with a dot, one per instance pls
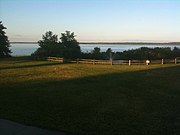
(115, 43)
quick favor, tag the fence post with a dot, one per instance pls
(129, 62)
(147, 62)
(175, 61)
(94, 62)
(162, 62)
(77, 60)
(111, 62)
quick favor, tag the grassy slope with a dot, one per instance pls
(91, 99)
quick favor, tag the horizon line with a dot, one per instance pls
(97, 42)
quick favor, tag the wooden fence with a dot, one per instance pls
(93, 61)
(128, 62)
(119, 62)
(55, 59)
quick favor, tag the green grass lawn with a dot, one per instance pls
(91, 99)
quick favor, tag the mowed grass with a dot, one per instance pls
(91, 99)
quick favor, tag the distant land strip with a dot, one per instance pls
(116, 43)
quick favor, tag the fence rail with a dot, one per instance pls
(128, 62)
(119, 62)
(93, 61)
(55, 59)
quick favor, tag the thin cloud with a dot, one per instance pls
(17, 35)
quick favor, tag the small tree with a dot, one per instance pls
(175, 52)
(109, 53)
(96, 53)
(71, 46)
(4, 43)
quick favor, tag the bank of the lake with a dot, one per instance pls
(25, 49)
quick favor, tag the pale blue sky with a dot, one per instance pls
(93, 20)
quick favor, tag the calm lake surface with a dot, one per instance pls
(19, 49)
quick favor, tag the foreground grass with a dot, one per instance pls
(91, 99)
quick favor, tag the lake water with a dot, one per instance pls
(28, 49)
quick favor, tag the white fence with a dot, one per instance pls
(93, 61)
(119, 62)
(128, 62)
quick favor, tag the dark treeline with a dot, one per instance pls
(150, 53)
(138, 54)
(69, 48)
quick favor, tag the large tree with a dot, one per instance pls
(49, 46)
(71, 46)
(4, 42)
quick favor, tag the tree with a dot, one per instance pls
(71, 46)
(49, 46)
(96, 53)
(96, 50)
(109, 53)
(4, 43)
(175, 52)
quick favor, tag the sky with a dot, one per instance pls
(93, 20)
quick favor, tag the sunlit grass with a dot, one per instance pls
(25, 70)
(91, 99)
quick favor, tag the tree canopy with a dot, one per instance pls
(71, 46)
(67, 47)
(49, 46)
(142, 53)
(4, 43)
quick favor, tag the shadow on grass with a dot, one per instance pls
(17, 58)
(139, 103)
(26, 59)
(30, 66)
